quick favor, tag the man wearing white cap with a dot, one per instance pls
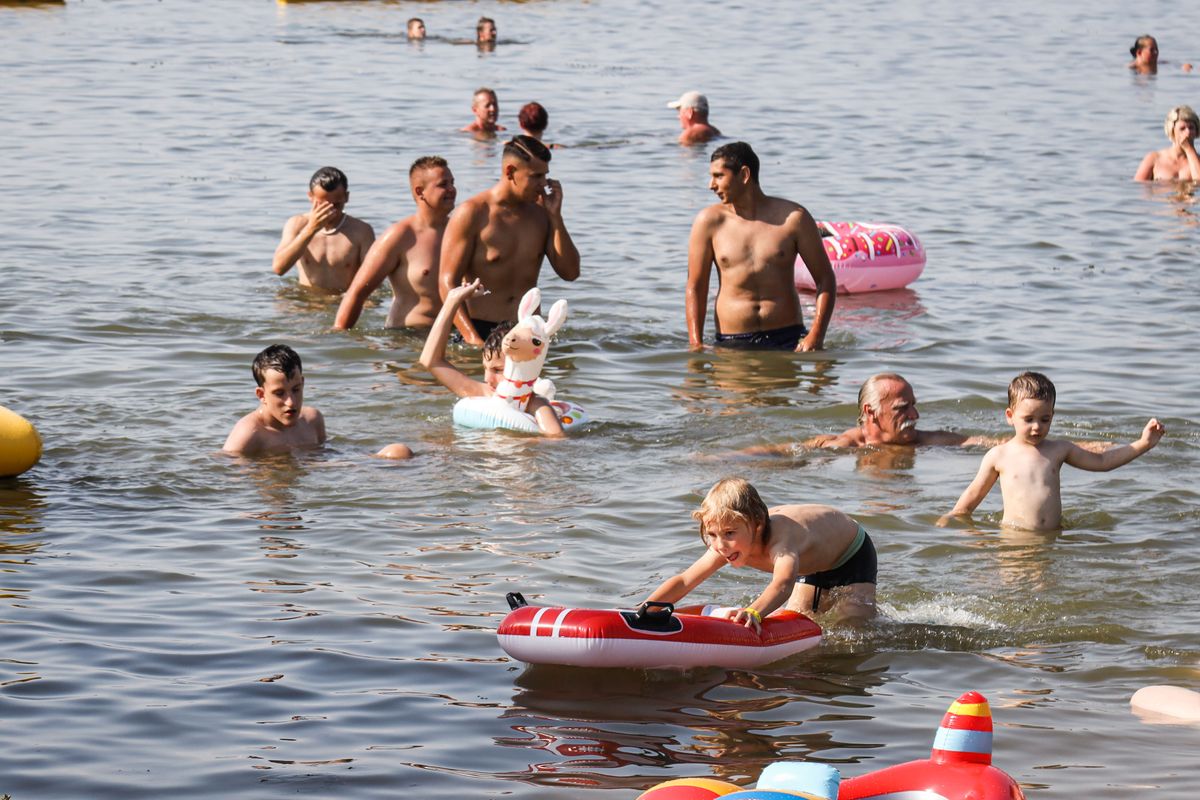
(693, 118)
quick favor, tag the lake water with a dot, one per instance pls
(180, 624)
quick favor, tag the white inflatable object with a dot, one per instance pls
(491, 413)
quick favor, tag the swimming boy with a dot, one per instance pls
(329, 243)
(281, 422)
(754, 240)
(433, 358)
(1028, 464)
(408, 253)
(416, 29)
(501, 236)
(819, 558)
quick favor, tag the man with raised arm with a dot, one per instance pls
(501, 235)
(329, 243)
(754, 240)
(408, 253)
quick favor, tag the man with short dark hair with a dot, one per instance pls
(329, 243)
(486, 108)
(501, 236)
(754, 240)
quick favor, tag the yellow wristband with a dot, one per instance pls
(753, 612)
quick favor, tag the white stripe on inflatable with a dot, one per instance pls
(559, 621)
(533, 626)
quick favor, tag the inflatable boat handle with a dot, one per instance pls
(515, 600)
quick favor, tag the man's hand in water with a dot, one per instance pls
(808, 344)
(553, 198)
(321, 214)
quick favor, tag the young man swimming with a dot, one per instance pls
(819, 559)
(282, 422)
(329, 243)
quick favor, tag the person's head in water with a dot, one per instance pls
(1181, 121)
(692, 107)
(533, 119)
(887, 409)
(733, 171)
(525, 164)
(1145, 54)
(486, 108)
(493, 354)
(485, 31)
(432, 184)
(330, 185)
(416, 28)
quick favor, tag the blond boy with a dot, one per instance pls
(819, 559)
(1028, 464)
(282, 422)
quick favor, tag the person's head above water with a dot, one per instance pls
(416, 28)
(330, 185)
(887, 409)
(691, 100)
(278, 357)
(524, 166)
(485, 30)
(533, 118)
(493, 354)
(1031, 386)
(432, 184)
(1178, 115)
(486, 107)
(732, 501)
(1145, 54)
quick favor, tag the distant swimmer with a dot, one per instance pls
(1145, 56)
(501, 236)
(693, 118)
(329, 243)
(433, 358)
(819, 558)
(1029, 464)
(416, 29)
(408, 254)
(534, 118)
(887, 415)
(485, 33)
(282, 422)
(486, 109)
(1179, 161)
(754, 240)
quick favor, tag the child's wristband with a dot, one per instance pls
(754, 615)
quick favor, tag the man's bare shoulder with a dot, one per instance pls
(296, 222)
(243, 439)
(358, 229)
(711, 216)
(849, 438)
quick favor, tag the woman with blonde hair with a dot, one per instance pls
(1178, 162)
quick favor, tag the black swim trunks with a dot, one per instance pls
(778, 339)
(482, 326)
(857, 565)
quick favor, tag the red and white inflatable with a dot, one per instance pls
(867, 257)
(657, 635)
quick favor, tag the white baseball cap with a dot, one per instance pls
(690, 100)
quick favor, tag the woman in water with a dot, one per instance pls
(1179, 161)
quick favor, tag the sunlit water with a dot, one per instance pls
(180, 624)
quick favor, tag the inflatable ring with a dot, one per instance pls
(491, 413)
(867, 257)
(657, 635)
(20, 445)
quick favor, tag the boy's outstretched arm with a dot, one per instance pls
(433, 355)
(783, 581)
(1114, 457)
(675, 589)
(973, 495)
(547, 421)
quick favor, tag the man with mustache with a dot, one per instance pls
(887, 414)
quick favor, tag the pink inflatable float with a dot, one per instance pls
(867, 257)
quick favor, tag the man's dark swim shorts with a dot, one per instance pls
(779, 339)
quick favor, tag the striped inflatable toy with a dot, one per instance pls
(867, 257)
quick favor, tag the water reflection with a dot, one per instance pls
(738, 379)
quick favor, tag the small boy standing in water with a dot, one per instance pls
(1028, 464)
(281, 422)
(819, 558)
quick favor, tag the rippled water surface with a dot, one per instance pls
(180, 624)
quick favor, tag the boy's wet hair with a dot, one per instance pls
(737, 155)
(526, 148)
(279, 357)
(1030, 386)
(492, 345)
(329, 178)
(427, 162)
(533, 117)
(732, 498)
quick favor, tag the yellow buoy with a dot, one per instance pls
(20, 445)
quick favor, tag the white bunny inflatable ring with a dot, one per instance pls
(525, 348)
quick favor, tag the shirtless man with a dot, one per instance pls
(887, 415)
(329, 243)
(693, 118)
(501, 235)
(754, 240)
(407, 254)
(486, 109)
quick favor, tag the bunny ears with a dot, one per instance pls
(542, 327)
